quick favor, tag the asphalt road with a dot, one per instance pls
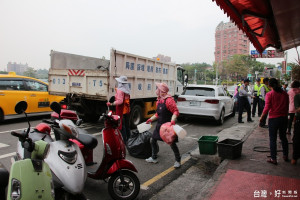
(153, 177)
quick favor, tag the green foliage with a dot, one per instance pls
(201, 71)
(286, 77)
(30, 72)
(3, 72)
(278, 74)
(42, 73)
(295, 71)
(238, 66)
(228, 82)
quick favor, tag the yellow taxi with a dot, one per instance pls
(15, 88)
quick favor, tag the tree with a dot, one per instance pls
(196, 71)
(237, 66)
(278, 74)
(295, 71)
(286, 77)
(3, 72)
(42, 74)
(30, 72)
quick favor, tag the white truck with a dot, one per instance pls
(88, 83)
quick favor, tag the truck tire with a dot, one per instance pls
(135, 116)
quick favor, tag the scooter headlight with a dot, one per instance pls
(69, 157)
(15, 189)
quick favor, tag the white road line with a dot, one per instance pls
(13, 130)
(3, 145)
(98, 133)
(192, 138)
(8, 155)
(184, 125)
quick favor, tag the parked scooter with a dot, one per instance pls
(30, 178)
(122, 181)
(64, 158)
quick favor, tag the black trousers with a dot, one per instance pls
(125, 127)
(296, 140)
(244, 103)
(155, 149)
(261, 104)
(291, 119)
(276, 125)
(256, 104)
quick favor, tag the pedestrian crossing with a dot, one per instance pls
(3, 145)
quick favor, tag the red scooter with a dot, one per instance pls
(122, 182)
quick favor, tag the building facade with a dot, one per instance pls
(162, 58)
(230, 41)
(18, 68)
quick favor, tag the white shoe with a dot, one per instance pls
(151, 160)
(177, 164)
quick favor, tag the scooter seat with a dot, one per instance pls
(87, 140)
(36, 136)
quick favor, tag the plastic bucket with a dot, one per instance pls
(180, 132)
(143, 127)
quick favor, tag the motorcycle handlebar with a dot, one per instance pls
(47, 121)
(21, 135)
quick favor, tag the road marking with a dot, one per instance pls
(98, 133)
(184, 125)
(192, 138)
(13, 130)
(7, 155)
(3, 145)
(145, 185)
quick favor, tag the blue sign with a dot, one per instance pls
(254, 52)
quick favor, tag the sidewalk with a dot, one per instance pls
(249, 177)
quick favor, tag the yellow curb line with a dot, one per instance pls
(159, 176)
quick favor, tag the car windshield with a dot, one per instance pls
(199, 91)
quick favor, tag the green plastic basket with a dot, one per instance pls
(208, 144)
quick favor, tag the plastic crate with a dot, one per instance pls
(208, 144)
(230, 148)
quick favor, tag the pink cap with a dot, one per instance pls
(163, 87)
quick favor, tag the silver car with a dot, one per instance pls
(206, 101)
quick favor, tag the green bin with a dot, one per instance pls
(208, 144)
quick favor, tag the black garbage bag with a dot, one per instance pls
(138, 145)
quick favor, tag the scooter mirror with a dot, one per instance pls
(21, 107)
(78, 122)
(55, 107)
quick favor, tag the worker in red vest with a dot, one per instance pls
(122, 103)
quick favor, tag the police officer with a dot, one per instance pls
(262, 91)
(256, 99)
(243, 101)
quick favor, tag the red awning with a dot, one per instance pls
(267, 23)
